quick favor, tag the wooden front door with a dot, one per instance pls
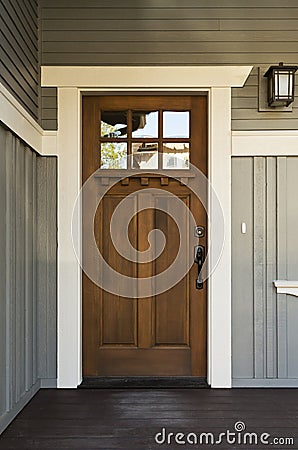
(163, 334)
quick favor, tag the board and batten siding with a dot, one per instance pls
(27, 274)
(159, 32)
(19, 52)
(264, 323)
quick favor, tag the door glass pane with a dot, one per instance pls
(144, 155)
(176, 124)
(145, 124)
(175, 155)
(113, 124)
(113, 155)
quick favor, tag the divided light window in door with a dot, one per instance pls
(152, 139)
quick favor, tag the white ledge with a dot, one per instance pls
(286, 287)
(18, 120)
(132, 77)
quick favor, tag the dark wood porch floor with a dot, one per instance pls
(129, 419)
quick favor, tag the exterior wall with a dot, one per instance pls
(197, 32)
(19, 70)
(27, 262)
(265, 333)
(159, 32)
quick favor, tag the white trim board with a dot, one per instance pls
(145, 77)
(18, 120)
(71, 83)
(265, 143)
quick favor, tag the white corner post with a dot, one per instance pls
(71, 81)
(69, 272)
(219, 307)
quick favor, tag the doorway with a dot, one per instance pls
(163, 334)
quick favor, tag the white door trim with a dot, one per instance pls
(71, 82)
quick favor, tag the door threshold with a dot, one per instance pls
(144, 383)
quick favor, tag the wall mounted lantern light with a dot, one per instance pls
(281, 85)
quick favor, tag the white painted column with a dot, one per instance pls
(219, 320)
(69, 274)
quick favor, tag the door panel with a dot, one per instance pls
(118, 315)
(164, 334)
(172, 306)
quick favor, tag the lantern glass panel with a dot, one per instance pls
(283, 84)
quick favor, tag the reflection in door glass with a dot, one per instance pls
(113, 155)
(176, 124)
(145, 124)
(113, 124)
(175, 155)
(144, 155)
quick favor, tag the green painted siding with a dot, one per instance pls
(203, 32)
(19, 69)
(113, 32)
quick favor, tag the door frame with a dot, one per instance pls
(72, 83)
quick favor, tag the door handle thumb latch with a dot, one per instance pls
(199, 260)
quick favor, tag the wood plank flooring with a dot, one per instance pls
(129, 419)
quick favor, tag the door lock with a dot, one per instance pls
(199, 260)
(199, 232)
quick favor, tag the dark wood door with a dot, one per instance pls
(163, 334)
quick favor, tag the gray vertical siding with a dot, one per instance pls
(195, 32)
(26, 333)
(3, 315)
(19, 70)
(46, 269)
(265, 333)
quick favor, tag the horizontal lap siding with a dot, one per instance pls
(264, 196)
(49, 108)
(27, 274)
(19, 71)
(113, 32)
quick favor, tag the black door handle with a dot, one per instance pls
(199, 259)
